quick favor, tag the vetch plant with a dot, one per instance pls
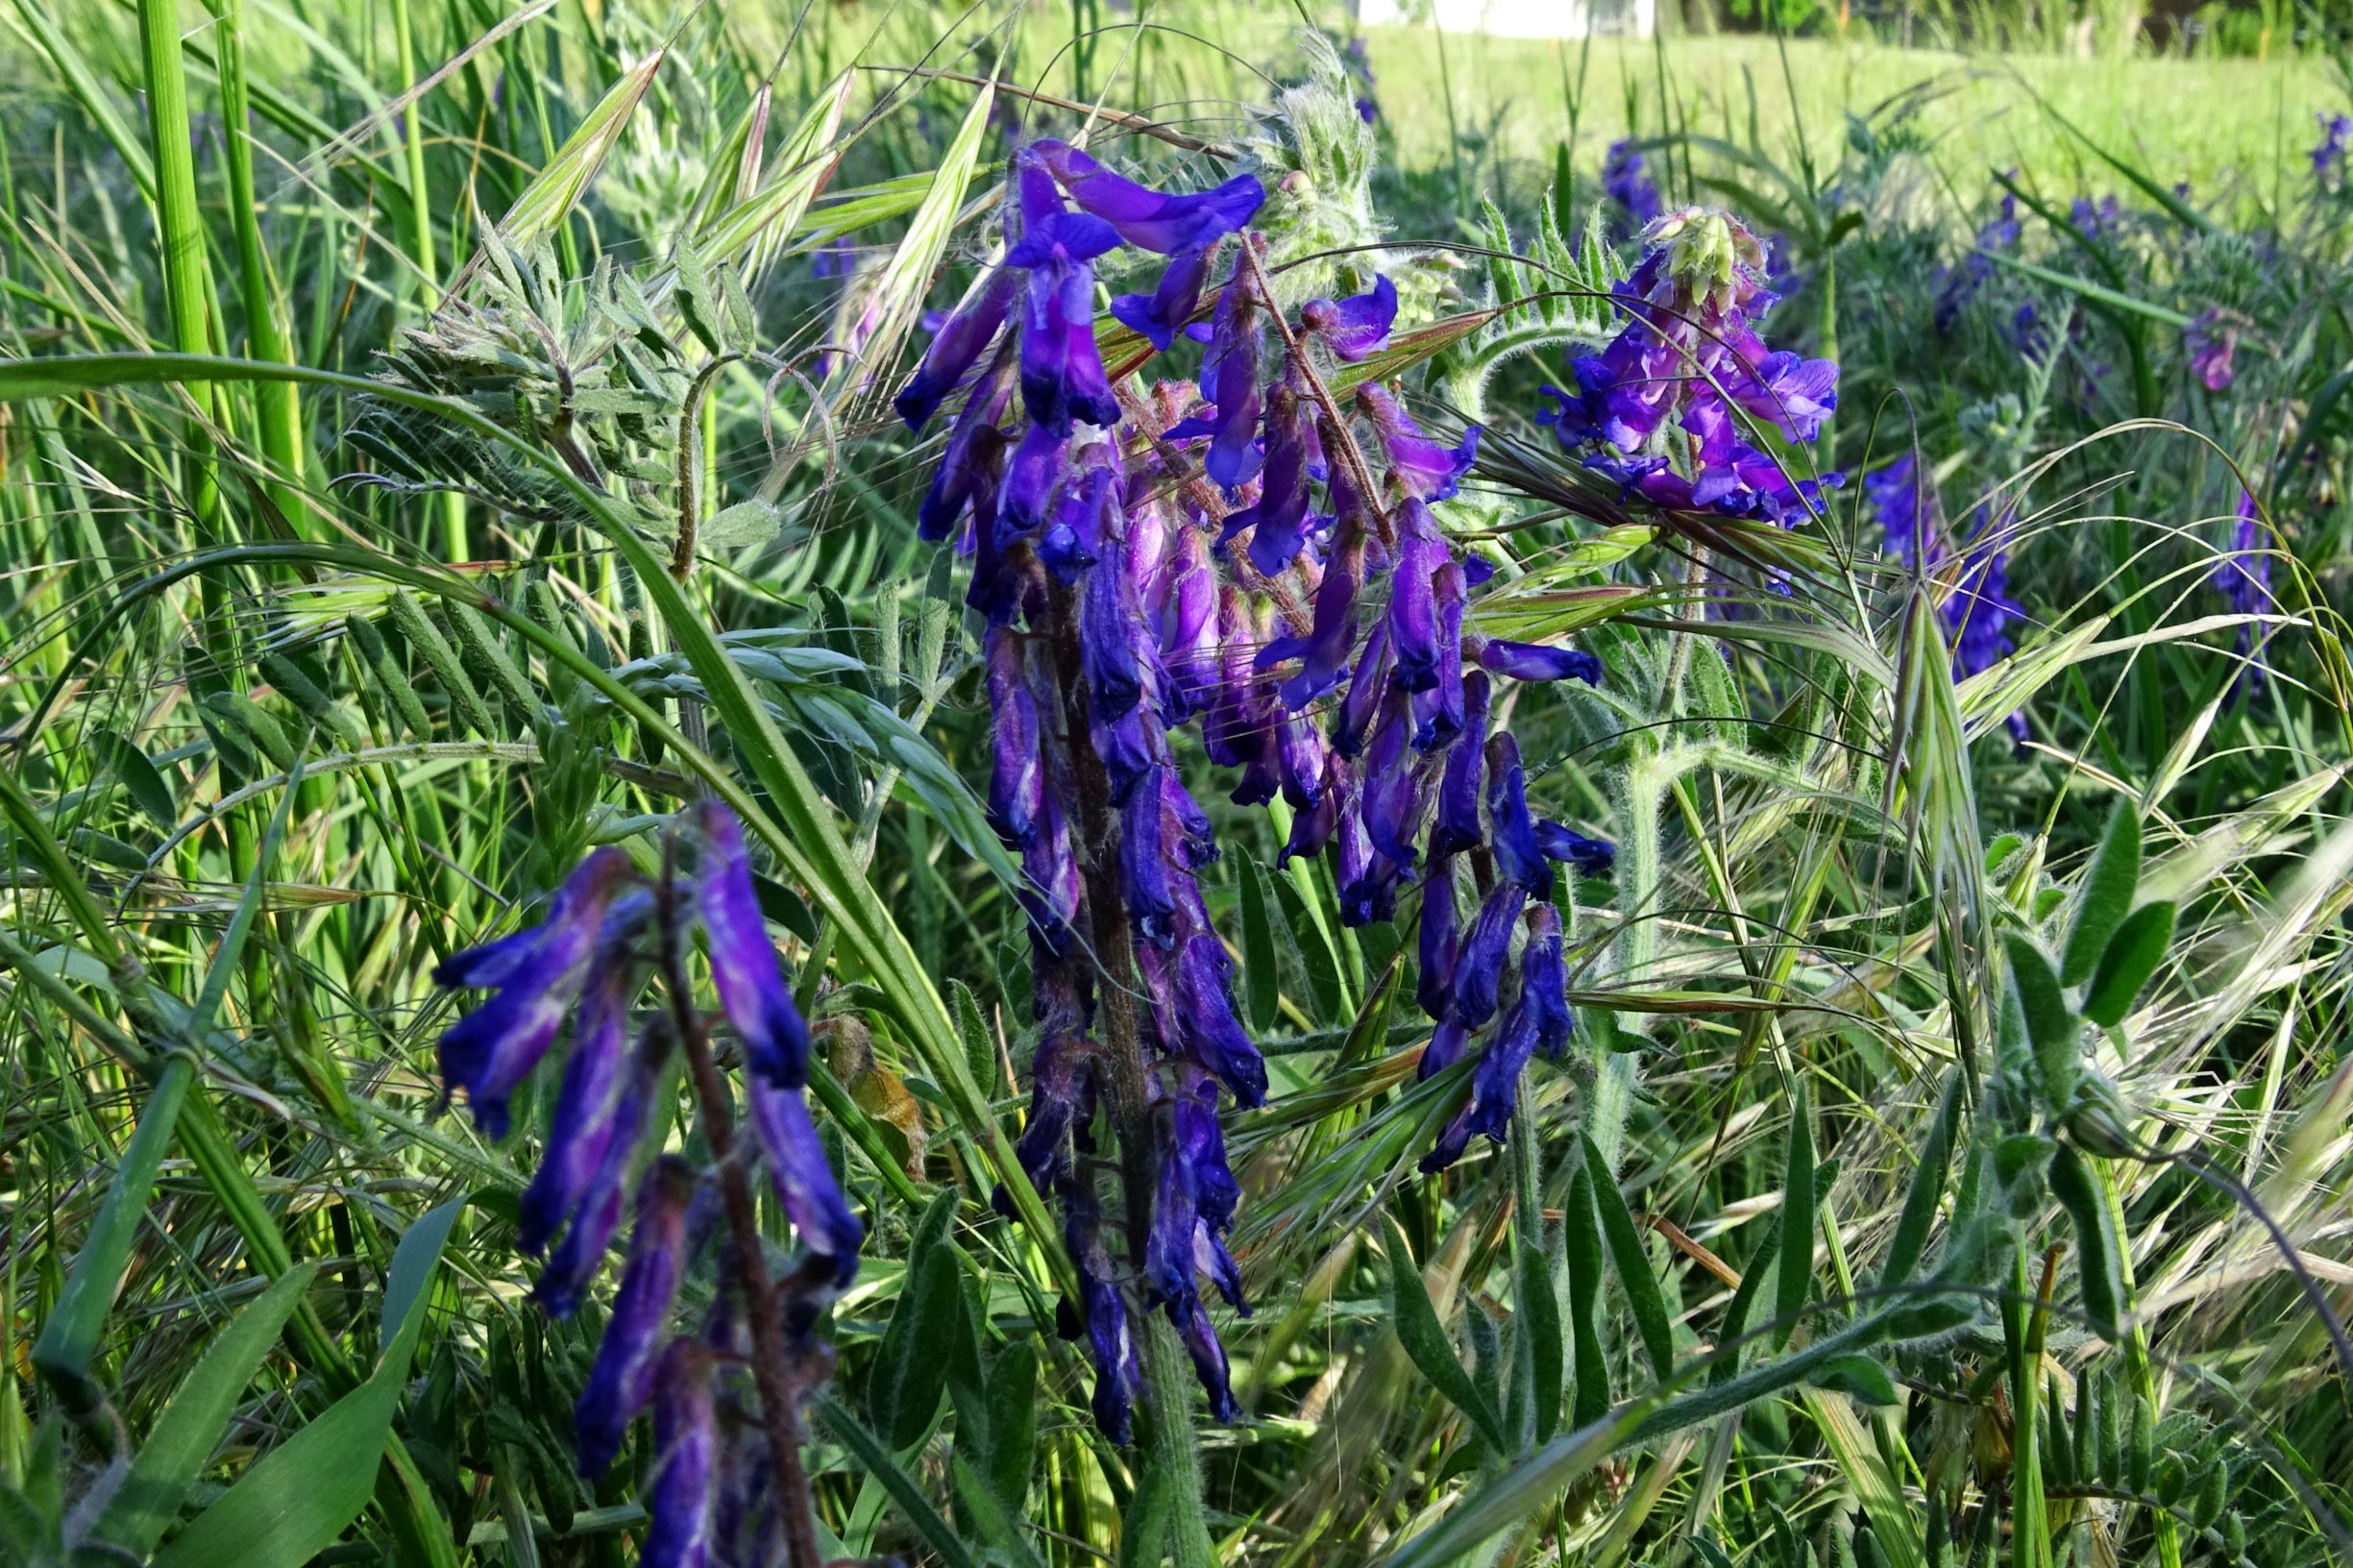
(730, 1486)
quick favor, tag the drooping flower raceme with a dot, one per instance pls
(608, 928)
(1254, 557)
(1687, 358)
(2328, 153)
(1957, 285)
(2243, 576)
(1629, 185)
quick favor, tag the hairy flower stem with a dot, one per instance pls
(773, 1361)
(1613, 1080)
(1095, 824)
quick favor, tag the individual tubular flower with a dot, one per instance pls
(1016, 781)
(2244, 576)
(1594, 857)
(744, 963)
(1357, 326)
(1495, 1086)
(1277, 521)
(586, 1108)
(1323, 650)
(958, 345)
(1229, 378)
(1458, 827)
(492, 1049)
(1419, 465)
(563, 1284)
(2328, 153)
(1440, 939)
(1062, 372)
(974, 460)
(1175, 301)
(1119, 1369)
(1539, 661)
(1206, 1028)
(1544, 982)
(679, 1505)
(803, 1180)
(621, 1380)
(1518, 857)
(1150, 219)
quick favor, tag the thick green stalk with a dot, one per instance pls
(180, 239)
(278, 404)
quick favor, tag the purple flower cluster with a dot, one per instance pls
(1212, 554)
(1687, 358)
(1358, 64)
(1628, 184)
(1957, 285)
(607, 925)
(2244, 576)
(2209, 340)
(1977, 611)
(2328, 153)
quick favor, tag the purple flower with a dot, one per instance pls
(1017, 783)
(678, 1500)
(1518, 857)
(1544, 983)
(974, 458)
(2328, 154)
(1149, 219)
(1050, 892)
(1444, 1050)
(1061, 371)
(1143, 869)
(622, 1379)
(1367, 684)
(1323, 652)
(1479, 973)
(1539, 661)
(1062, 1102)
(1357, 326)
(1594, 857)
(2000, 234)
(1209, 1358)
(1206, 1025)
(959, 342)
(1109, 628)
(1418, 465)
(744, 966)
(1196, 1200)
(2211, 339)
(492, 1049)
(2243, 575)
(1495, 1086)
(1230, 377)
(1440, 939)
(1175, 301)
(1278, 519)
(1458, 825)
(1896, 496)
(803, 1180)
(1119, 1369)
(564, 1281)
(586, 1109)
(1630, 185)
(1414, 607)
(1393, 795)
(1190, 629)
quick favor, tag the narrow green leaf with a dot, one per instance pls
(298, 1499)
(2049, 1026)
(875, 1458)
(2106, 895)
(1796, 1279)
(184, 1438)
(1632, 1263)
(1581, 1240)
(1425, 1341)
(911, 1368)
(2132, 955)
(1538, 1322)
(1928, 1185)
(139, 777)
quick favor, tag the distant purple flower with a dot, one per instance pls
(2244, 577)
(1357, 327)
(2328, 153)
(2093, 220)
(1629, 184)
(1895, 496)
(2211, 339)
(1960, 284)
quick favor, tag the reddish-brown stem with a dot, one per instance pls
(773, 1361)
